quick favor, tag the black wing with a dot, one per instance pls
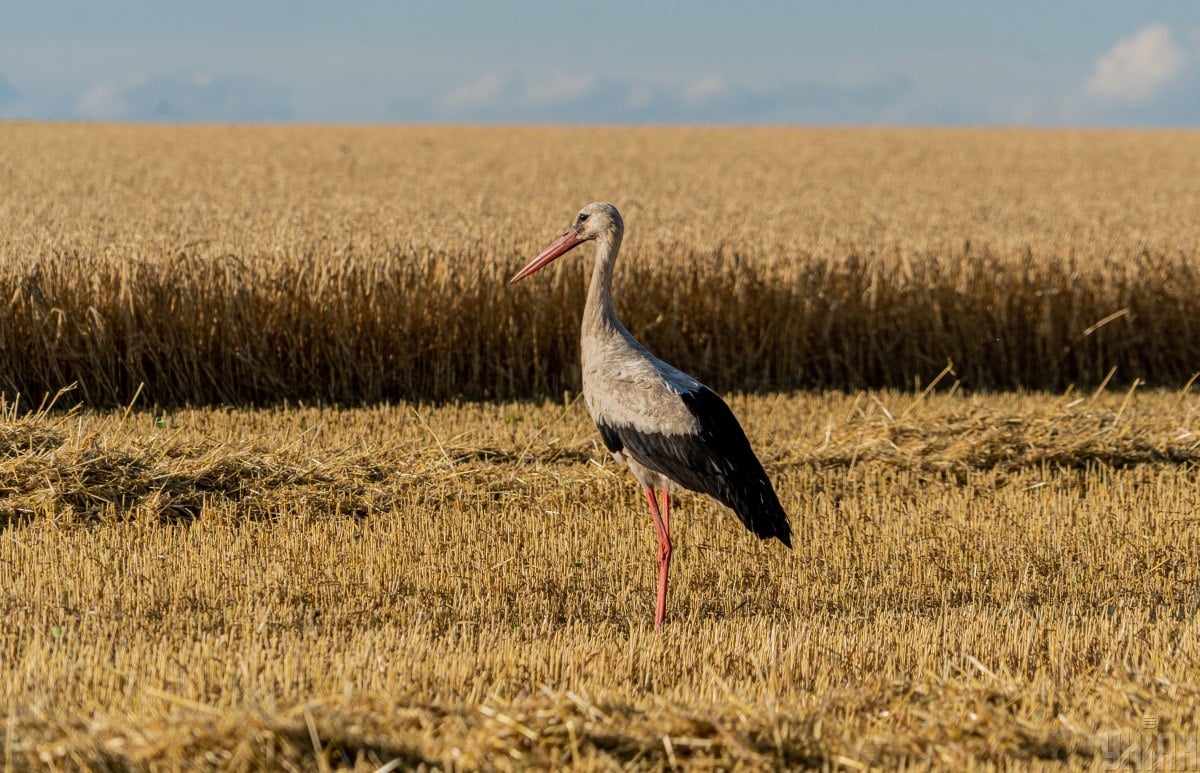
(717, 461)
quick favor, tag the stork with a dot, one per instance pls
(670, 429)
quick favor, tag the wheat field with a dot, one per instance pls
(290, 479)
(208, 265)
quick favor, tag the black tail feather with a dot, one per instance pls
(756, 504)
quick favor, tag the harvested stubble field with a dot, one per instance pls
(976, 580)
(984, 579)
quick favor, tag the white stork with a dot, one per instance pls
(664, 424)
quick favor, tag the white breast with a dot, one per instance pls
(626, 386)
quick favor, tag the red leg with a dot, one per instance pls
(664, 559)
(666, 511)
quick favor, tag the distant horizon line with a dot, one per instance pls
(12, 121)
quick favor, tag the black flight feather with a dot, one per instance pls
(717, 461)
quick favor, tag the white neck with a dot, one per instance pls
(599, 313)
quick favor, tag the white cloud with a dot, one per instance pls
(183, 97)
(477, 95)
(106, 101)
(639, 97)
(1137, 69)
(493, 92)
(1020, 110)
(559, 89)
(703, 91)
(591, 97)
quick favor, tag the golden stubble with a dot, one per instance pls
(977, 580)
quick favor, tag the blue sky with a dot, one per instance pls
(923, 62)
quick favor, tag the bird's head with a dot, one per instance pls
(598, 221)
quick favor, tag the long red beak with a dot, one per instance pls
(566, 241)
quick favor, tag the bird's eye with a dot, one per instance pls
(582, 216)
